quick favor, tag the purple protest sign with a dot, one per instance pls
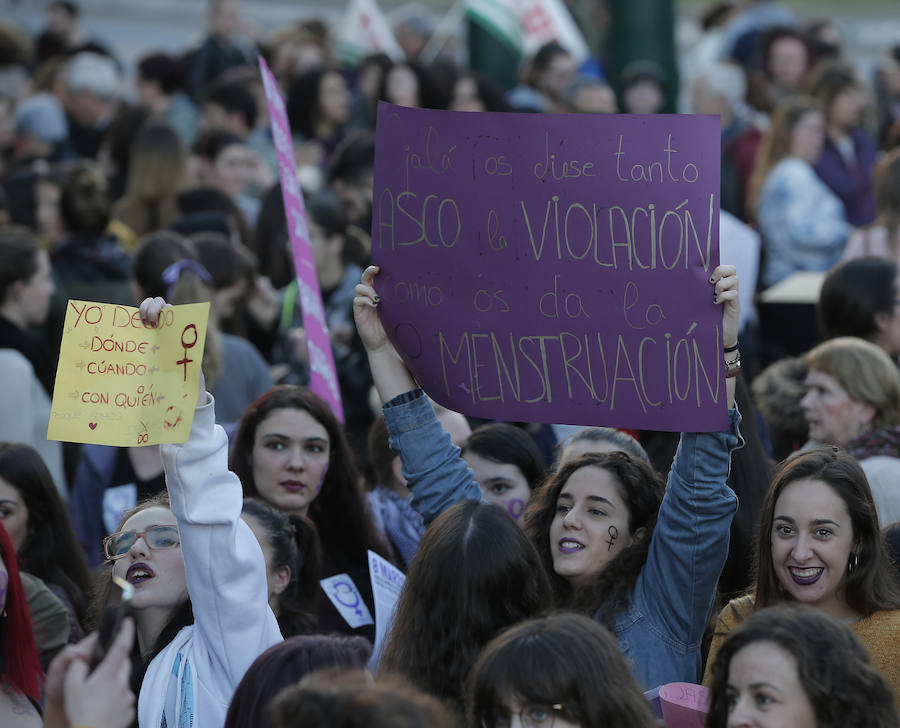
(322, 374)
(553, 268)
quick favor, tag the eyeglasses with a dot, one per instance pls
(118, 544)
(534, 715)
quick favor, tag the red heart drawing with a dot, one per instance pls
(92, 425)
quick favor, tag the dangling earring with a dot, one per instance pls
(853, 563)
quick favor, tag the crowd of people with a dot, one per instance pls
(554, 576)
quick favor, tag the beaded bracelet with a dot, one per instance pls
(733, 367)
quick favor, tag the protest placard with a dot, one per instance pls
(553, 268)
(387, 583)
(323, 378)
(122, 383)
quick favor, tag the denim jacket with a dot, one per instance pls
(661, 631)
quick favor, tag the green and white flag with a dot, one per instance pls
(546, 20)
(364, 31)
(503, 32)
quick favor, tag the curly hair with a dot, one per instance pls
(474, 574)
(870, 586)
(833, 667)
(642, 490)
(565, 659)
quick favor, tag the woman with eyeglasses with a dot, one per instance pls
(644, 565)
(201, 600)
(561, 671)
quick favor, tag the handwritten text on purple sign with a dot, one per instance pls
(553, 268)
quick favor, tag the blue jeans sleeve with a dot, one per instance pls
(677, 585)
(435, 473)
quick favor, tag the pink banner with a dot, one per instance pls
(322, 374)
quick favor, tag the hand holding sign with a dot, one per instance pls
(128, 377)
(150, 310)
(389, 373)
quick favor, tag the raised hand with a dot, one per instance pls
(150, 308)
(365, 312)
(725, 281)
(389, 373)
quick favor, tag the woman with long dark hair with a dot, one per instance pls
(643, 564)
(819, 546)
(38, 524)
(475, 573)
(291, 452)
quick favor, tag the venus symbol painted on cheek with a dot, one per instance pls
(515, 507)
(613, 535)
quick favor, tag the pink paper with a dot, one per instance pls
(322, 373)
(684, 705)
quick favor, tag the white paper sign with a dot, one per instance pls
(346, 598)
(387, 583)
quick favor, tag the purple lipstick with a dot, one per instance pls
(570, 545)
(805, 577)
(139, 573)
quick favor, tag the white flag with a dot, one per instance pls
(545, 20)
(364, 31)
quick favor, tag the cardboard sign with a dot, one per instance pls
(322, 373)
(553, 268)
(121, 383)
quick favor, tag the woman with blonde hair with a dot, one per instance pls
(156, 175)
(853, 402)
(801, 221)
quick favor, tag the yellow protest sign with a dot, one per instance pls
(122, 383)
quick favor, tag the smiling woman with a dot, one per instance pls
(613, 547)
(819, 545)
